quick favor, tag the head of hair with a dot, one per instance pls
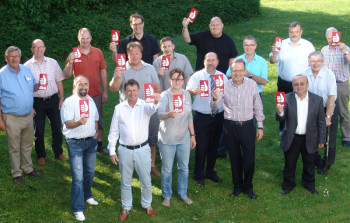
(249, 37)
(136, 16)
(295, 24)
(300, 75)
(176, 70)
(11, 49)
(235, 61)
(131, 82)
(206, 55)
(77, 78)
(165, 39)
(330, 30)
(132, 45)
(83, 30)
(315, 53)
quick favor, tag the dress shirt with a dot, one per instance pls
(335, 60)
(54, 73)
(178, 61)
(71, 111)
(241, 102)
(257, 66)
(16, 90)
(130, 125)
(293, 60)
(302, 111)
(202, 104)
(323, 85)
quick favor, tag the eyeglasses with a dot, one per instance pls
(299, 84)
(13, 57)
(137, 24)
(177, 80)
(249, 45)
(39, 47)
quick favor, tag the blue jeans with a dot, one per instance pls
(82, 159)
(167, 153)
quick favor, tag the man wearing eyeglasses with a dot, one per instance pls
(148, 42)
(47, 102)
(305, 132)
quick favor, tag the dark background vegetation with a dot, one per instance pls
(58, 21)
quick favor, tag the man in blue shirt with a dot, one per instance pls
(17, 84)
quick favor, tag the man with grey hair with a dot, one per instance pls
(213, 40)
(17, 84)
(47, 102)
(305, 132)
(337, 59)
(322, 83)
(93, 65)
(292, 59)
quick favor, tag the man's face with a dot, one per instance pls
(237, 71)
(137, 26)
(82, 87)
(134, 56)
(84, 39)
(132, 92)
(211, 61)
(38, 49)
(216, 27)
(295, 34)
(316, 63)
(13, 59)
(329, 38)
(300, 86)
(167, 48)
(249, 47)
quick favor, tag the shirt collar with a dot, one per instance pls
(33, 60)
(305, 99)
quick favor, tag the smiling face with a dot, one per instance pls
(295, 33)
(84, 38)
(249, 47)
(81, 86)
(216, 26)
(13, 59)
(167, 48)
(38, 49)
(316, 62)
(137, 26)
(176, 81)
(237, 71)
(132, 92)
(134, 55)
(300, 86)
(211, 61)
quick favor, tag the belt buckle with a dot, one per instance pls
(212, 115)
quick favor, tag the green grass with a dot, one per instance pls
(47, 199)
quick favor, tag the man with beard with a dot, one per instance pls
(292, 59)
(79, 117)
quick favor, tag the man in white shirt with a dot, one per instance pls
(130, 126)
(306, 130)
(79, 116)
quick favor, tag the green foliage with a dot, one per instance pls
(57, 22)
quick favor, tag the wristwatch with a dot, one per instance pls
(346, 53)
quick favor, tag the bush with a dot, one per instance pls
(57, 22)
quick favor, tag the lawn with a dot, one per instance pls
(47, 199)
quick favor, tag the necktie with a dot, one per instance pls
(212, 88)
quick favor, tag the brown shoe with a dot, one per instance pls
(150, 211)
(41, 161)
(123, 215)
(34, 173)
(155, 171)
(18, 180)
(62, 157)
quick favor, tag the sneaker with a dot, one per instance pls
(92, 201)
(79, 216)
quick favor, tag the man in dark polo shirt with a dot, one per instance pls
(149, 42)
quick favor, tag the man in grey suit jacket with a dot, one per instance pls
(305, 130)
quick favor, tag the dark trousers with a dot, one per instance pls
(284, 86)
(290, 163)
(332, 140)
(208, 130)
(49, 108)
(240, 140)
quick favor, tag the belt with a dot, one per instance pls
(136, 146)
(240, 123)
(210, 115)
(83, 139)
(300, 135)
(338, 82)
(17, 116)
(46, 98)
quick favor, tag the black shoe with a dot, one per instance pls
(285, 191)
(346, 143)
(215, 178)
(102, 150)
(200, 183)
(235, 193)
(323, 169)
(252, 195)
(313, 191)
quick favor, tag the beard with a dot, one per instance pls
(82, 92)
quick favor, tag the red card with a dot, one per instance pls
(121, 61)
(149, 91)
(219, 81)
(335, 38)
(43, 82)
(278, 42)
(280, 98)
(165, 62)
(204, 86)
(178, 103)
(77, 54)
(115, 36)
(192, 15)
(84, 107)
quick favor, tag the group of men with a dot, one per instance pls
(315, 96)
